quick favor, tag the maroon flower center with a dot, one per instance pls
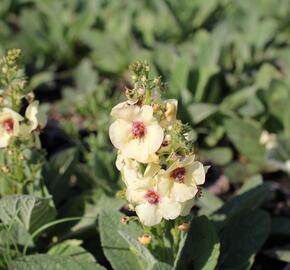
(152, 197)
(8, 125)
(138, 129)
(178, 174)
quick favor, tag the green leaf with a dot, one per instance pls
(252, 182)
(218, 155)
(279, 253)
(208, 202)
(29, 211)
(14, 234)
(266, 74)
(139, 249)
(201, 246)
(249, 200)
(179, 74)
(161, 266)
(86, 77)
(201, 111)
(52, 262)
(252, 108)
(72, 248)
(237, 99)
(246, 136)
(242, 237)
(237, 171)
(116, 249)
(280, 226)
(57, 173)
(89, 205)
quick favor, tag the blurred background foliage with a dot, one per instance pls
(226, 61)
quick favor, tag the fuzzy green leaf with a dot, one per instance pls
(52, 262)
(29, 211)
(201, 246)
(117, 250)
(242, 237)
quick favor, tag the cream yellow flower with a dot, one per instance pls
(9, 125)
(130, 169)
(151, 202)
(182, 178)
(36, 117)
(135, 132)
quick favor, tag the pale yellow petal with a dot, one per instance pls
(154, 137)
(182, 192)
(149, 214)
(164, 184)
(198, 173)
(137, 149)
(146, 114)
(4, 139)
(186, 207)
(169, 208)
(151, 170)
(120, 132)
(125, 112)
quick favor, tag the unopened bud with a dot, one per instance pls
(170, 110)
(156, 107)
(141, 91)
(199, 192)
(145, 239)
(124, 220)
(4, 70)
(5, 169)
(30, 97)
(54, 239)
(183, 227)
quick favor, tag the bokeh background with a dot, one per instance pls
(226, 61)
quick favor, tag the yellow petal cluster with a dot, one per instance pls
(13, 124)
(155, 156)
(157, 188)
(9, 125)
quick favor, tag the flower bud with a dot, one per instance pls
(184, 226)
(30, 97)
(170, 110)
(124, 220)
(145, 239)
(156, 107)
(141, 91)
(5, 169)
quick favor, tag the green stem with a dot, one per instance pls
(46, 226)
(161, 243)
(148, 97)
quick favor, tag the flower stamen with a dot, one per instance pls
(138, 129)
(152, 197)
(178, 174)
(8, 125)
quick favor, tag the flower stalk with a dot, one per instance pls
(155, 157)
